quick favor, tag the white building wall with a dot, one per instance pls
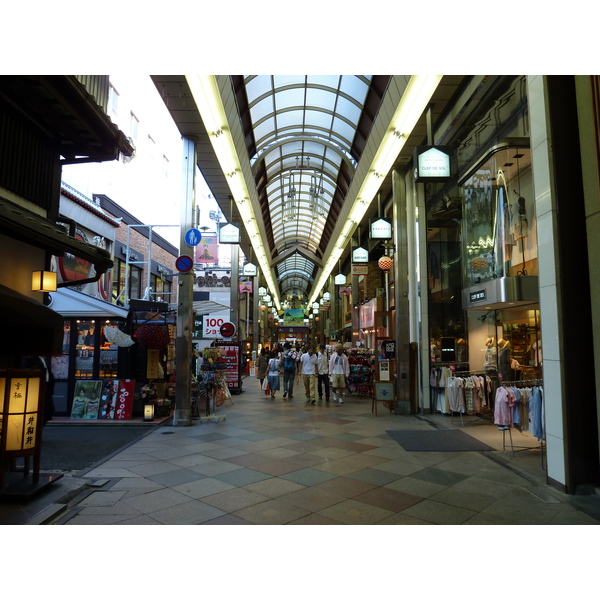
(541, 149)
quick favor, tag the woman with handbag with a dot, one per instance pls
(273, 373)
(261, 366)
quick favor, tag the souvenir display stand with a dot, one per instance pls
(361, 373)
(210, 390)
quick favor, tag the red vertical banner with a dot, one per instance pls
(231, 356)
(125, 399)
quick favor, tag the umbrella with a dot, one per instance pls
(115, 336)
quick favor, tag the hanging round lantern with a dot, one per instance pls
(263, 307)
(152, 336)
(385, 263)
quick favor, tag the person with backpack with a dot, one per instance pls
(290, 366)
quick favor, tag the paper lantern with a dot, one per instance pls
(152, 336)
(385, 263)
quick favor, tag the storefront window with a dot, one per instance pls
(118, 286)
(499, 218)
(84, 355)
(109, 354)
(507, 342)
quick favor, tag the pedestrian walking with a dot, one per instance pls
(290, 360)
(273, 373)
(310, 372)
(323, 378)
(339, 369)
(262, 365)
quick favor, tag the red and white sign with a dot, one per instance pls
(211, 325)
(360, 269)
(125, 399)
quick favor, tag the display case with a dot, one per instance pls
(499, 228)
(84, 349)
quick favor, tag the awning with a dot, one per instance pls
(70, 303)
(207, 307)
(33, 229)
(28, 326)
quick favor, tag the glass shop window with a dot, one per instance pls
(84, 354)
(109, 353)
(499, 234)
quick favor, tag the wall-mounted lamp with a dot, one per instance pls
(43, 281)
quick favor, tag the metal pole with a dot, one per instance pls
(182, 415)
(233, 295)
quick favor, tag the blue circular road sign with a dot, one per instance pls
(184, 263)
(193, 237)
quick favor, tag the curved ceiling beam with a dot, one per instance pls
(345, 156)
(297, 248)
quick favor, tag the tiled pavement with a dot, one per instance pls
(287, 462)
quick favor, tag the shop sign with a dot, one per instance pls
(229, 234)
(207, 250)
(125, 399)
(477, 296)
(340, 279)
(227, 329)
(212, 326)
(250, 270)
(389, 348)
(360, 269)
(74, 268)
(133, 255)
(381, 229)
(360, 255)
(231, 356)
(432, 163)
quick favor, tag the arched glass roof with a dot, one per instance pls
(304, 127)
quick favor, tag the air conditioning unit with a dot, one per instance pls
(380, 292)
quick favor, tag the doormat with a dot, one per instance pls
(438, 440)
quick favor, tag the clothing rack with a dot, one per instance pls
(486, 372)
(522, 383)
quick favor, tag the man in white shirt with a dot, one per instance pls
(339, 369)
(310, 371)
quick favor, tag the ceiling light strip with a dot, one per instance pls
(414, 101)
(206, 94)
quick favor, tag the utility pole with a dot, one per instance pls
(182, 415)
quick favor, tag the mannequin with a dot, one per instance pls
(461, 350)
(490, 359)
(504, 367)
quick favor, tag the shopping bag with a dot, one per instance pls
(265, 383)
(267, 389)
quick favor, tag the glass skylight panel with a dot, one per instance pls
(289, 98)
(333, 157)
(283, 80)
(257, 86)
(349, 110)
(331, 81)
(318, 118)
(264, 131)
(319, 98)
(261, 109)
(344, 131)
(292, 119)
(354, 87)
